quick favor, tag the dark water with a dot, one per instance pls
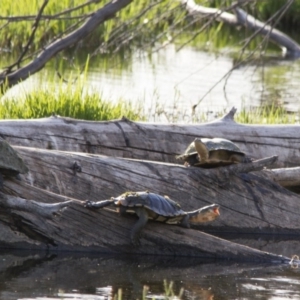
(25, 275)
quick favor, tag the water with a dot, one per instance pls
(42, 276)
(168, 84)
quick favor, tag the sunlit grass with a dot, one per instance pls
(267, 114)
(68, 101)
(168, 294)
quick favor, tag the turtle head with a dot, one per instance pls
(205, 214)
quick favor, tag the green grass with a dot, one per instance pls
(70, 101)
(268, 114)
(67, 101)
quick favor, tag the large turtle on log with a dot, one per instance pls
(210, 153)
(11, 164)
(156, 207)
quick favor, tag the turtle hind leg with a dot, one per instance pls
(99, 204)
(138, 226)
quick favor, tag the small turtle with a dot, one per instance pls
(11, 164)
(210, 153)
(153, 206)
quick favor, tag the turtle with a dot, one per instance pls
(210, 153)
(153, 206)
(11, 164)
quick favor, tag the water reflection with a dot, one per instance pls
(25, 275)
(168, 84)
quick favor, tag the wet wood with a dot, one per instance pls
(157, 142)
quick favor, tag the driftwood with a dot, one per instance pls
(157, 142)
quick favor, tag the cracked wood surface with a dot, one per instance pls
(77, 228)
(249, 203)
(157, 142)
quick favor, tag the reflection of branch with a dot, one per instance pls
(103, 14)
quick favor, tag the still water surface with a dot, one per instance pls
(42, 276)
(172, 82)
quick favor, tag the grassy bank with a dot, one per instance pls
(67, 101)
(72, 101)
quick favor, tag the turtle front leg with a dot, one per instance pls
(138, 226)
(185, 222)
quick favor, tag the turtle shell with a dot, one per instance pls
(159, 208)
(214, 152)
(10, 162)
(211, 145)
(219, 144)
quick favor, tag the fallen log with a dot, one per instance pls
(71, 226)
(157, 142)
(250, 203)
(287, 177)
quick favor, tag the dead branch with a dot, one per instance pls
(103, 14)
(241, 18)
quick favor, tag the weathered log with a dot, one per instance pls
(158, 142)
(249, 203)
(71, 226)
(286, 177)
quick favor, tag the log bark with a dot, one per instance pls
(157, 142)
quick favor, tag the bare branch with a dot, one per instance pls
(100, 16)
